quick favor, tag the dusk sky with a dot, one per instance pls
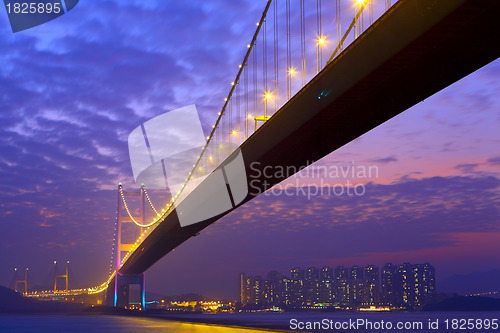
(73, 89)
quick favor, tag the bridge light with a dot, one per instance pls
(321, 40)
(291, 71)
(268, 95)
(234, 132)
(249, 116)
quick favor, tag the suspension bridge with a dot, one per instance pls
(315, 76)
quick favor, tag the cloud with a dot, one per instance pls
(384, 160)
(467, 168)
(494, 160)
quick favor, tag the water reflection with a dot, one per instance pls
(108, 324)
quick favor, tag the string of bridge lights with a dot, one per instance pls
(158, 216)
(227, 108)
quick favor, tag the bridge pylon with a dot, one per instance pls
(122, 282)
(65, 276)
(25, 281)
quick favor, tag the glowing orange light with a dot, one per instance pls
(321, 40)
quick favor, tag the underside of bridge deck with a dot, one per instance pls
(413, 51)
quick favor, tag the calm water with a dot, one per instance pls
(97, 323)
(111, 324)
(419, 321)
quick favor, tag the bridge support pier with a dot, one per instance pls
(123, 291)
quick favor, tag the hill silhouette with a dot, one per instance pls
(463, 303)
(13, 302)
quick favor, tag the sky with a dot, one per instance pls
(73, 89)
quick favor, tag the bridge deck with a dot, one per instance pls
(414, 50)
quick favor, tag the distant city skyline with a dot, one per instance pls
(409, 286)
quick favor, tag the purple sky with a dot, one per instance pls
(73, 89)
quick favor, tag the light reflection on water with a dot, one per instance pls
(111, 324)
(108, 324)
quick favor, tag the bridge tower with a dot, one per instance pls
(122, 281)
(25, 281)
(65, 276)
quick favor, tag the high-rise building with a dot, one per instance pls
(297, 287)
(372, 286)
(389, 284)
(341, 285)
(258, 290)
(243, 287)
(429, 283)
(251, 290)
(404, 285)
(275, 288)
(326, 291)
(311, 286)
(424, 284)
(357, 283)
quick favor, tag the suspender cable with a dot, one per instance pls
(337, 17)
(321, 36)
(238, 116)
(362, 22)
(230, 126)
(355, 21)
(371, 11)
(302, 41)
(289, 68)
(276, 60)
(264, 67)
(255, 82)
(321, 39)
(245, 78)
